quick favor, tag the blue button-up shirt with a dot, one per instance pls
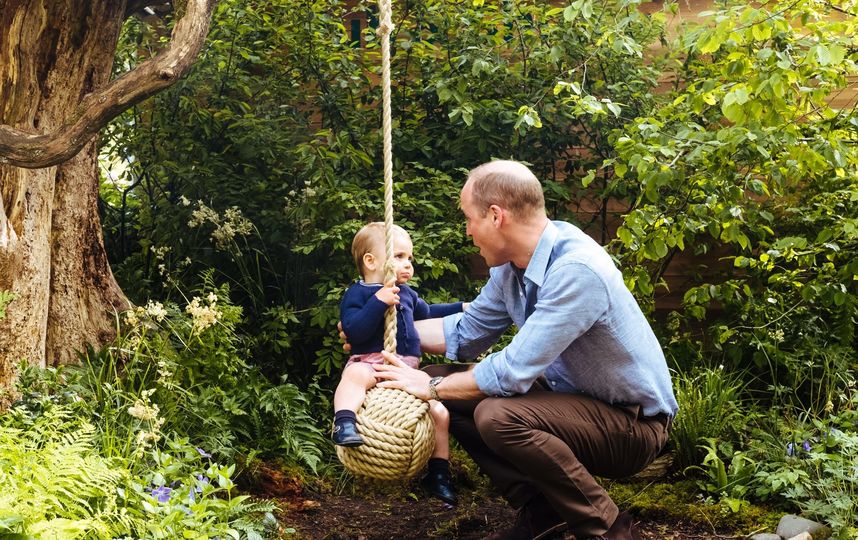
(578, 325)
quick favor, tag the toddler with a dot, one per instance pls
(362, 314)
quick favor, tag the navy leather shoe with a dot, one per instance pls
(440, 485)
(345, 434)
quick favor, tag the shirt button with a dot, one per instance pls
(553, 383)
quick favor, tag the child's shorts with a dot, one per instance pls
(377, 358)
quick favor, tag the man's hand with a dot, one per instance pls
(389, 294)
(346, 345)
(398, 375)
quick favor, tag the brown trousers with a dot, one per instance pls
(554, 443)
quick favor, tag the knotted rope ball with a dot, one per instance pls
(398, 436)
(398, 433)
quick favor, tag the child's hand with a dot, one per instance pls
(389, 294)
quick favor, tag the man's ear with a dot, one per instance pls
(497, 215)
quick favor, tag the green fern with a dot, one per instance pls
(54, 483)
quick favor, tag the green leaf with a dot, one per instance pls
(823, 54)
(711, 43)
(761, 32)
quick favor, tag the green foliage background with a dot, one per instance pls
(714, 143)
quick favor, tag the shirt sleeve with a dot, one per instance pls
(442, 310)
(470, 333)
(571, 299)
(361, 316)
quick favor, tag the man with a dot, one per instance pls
(583, 388)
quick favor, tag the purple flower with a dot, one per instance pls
(790, 449)
(203, 452)
(162, 493)
(201, 481)
(806, 446)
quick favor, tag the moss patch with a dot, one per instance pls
(681, 501)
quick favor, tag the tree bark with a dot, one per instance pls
(55, 94)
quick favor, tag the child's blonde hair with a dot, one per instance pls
(368, 238)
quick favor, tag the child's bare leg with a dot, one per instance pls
(356, 380)
(438, 481)
(441, 416)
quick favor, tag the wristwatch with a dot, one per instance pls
(433, 390)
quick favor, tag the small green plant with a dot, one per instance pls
(710, 409)
(6, 298)
(729, 480)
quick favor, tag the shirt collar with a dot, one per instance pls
(536, 268)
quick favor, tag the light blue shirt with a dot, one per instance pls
(578, 325)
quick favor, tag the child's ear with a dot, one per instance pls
(369, 261)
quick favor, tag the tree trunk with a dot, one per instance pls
(53, 53)
(55, 95)
(84, 296)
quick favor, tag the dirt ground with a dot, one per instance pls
(364, 512)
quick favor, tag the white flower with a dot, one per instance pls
(202, 214)
(142, 410)
(203, 316)
(212, 298)
(184, 200)
(156, 311)
(131, 318)
(161, 252)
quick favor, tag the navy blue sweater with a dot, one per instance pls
(362, 315)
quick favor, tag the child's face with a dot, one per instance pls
(403, 256)
(402, 259)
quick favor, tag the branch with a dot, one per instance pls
(23, 149)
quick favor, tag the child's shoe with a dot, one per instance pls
(439, 484)
(345, 433)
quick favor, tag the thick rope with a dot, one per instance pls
(396, 427)
(385, 27)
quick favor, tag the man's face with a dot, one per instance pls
(480, 226)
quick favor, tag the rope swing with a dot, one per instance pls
(398, 433)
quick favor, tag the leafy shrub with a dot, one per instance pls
(182, 371)
(813, 464)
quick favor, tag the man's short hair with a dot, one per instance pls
(367, 238)
(508, 184)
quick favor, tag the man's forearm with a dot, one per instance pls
(431, 333)
(461, 385)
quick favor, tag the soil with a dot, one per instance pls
(367, 513)
(332, 517)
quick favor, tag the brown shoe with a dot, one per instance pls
(622, 529)
(536, 521)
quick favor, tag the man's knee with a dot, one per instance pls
(494, 420)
